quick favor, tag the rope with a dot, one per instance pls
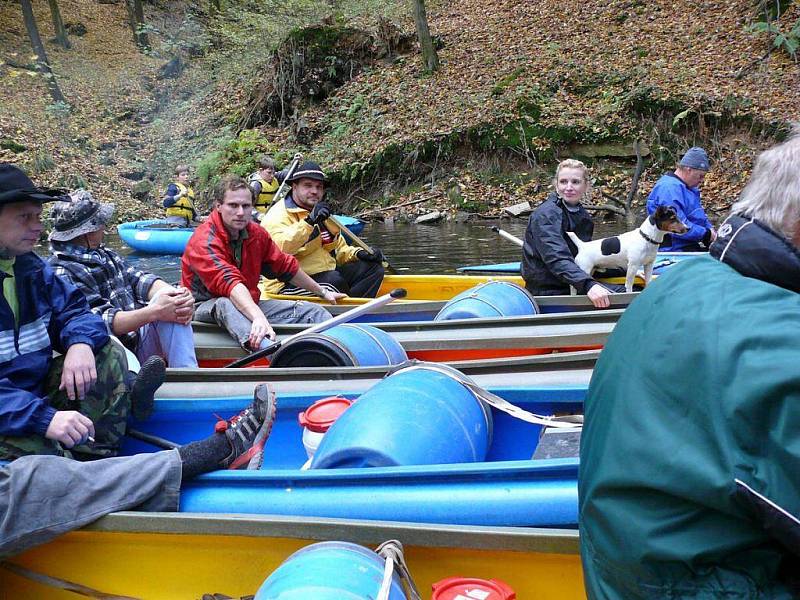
(496, 401)
(62, 584)
(392, 551)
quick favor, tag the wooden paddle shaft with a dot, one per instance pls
(508, 236)
(332, 322)
(359, 242)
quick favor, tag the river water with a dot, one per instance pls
(439, 248)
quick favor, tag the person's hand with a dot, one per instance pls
(331, 297)
(70, 428)
(713, 234)
(319, 213)
(79, 372)
(599, 296)
(375, 256)
(174, 305)
(259, 330)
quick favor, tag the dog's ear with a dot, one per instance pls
(665, 213)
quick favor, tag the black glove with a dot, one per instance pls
(319, 213)
(376, 256)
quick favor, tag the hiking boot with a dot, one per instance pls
(149, 378)
(248, 431)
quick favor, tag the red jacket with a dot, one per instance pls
(208, 267)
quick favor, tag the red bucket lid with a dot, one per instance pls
(321, 415)
(469, 588)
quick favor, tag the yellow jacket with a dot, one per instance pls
(285, 222)
(268, 189)
(184, 207)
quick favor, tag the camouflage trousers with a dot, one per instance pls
(107, 404)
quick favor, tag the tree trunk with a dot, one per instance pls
(41, 55)
(58, 25)
(214, 7)
(136, 20)
(429, 57)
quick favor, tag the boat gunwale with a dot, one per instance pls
(471, 537)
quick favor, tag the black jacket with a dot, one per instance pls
(548, 265)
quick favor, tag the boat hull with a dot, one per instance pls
(464, 339)
(160, 555)
(521, 491)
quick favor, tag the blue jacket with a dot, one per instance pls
(53, 314)
(670, 190)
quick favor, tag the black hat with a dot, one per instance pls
(15, 186)
(308, 170)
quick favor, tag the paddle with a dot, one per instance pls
(332, 322)
(361, 243)
(292, 168)
(508, 236)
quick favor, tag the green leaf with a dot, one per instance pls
(681, 116)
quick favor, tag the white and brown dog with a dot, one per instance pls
(633, 250)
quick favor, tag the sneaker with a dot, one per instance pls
(149, 378)
(248, 431)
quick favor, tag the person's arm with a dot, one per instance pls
(301, 279)
(345, 253)
(260, 328)
(255, 187)
(288, 234)
(700, 228)
(172, 196)
(545, 235)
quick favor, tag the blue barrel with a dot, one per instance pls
(329, 571)
(347, 345)
(490, 299)
(417, 416)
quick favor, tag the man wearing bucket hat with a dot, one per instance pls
(76, 404)
(149, 316)
(300, 225)
(681, 190)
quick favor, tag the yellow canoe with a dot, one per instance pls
(175, 555)
(437, 287)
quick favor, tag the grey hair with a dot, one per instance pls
(773, 193)
(571, 163)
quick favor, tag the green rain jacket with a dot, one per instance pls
(690, 456)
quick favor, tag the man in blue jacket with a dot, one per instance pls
(681, 191)
(77, 404)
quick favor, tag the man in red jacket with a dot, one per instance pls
(222, 264)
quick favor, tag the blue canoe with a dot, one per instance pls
(156, 236)
(664, 260)
(508, 489)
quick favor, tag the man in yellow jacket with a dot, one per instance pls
(300, 225)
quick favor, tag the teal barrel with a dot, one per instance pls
(489, 299)
(347, 345)
(419, 415)
(329, 571)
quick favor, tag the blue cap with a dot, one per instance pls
(695, 158)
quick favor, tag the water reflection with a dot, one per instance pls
(440, 248)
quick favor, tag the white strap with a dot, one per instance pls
(499, 403)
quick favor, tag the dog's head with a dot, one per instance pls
(666, 219)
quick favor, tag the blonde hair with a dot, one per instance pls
(182, 168)
(773, 193)
(571, 163)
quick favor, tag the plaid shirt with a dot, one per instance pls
(109, 284)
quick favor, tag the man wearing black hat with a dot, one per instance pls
(78, 403)
(300, 225)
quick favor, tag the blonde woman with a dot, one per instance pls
(548, 255)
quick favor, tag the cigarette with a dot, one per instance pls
(90, 438)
